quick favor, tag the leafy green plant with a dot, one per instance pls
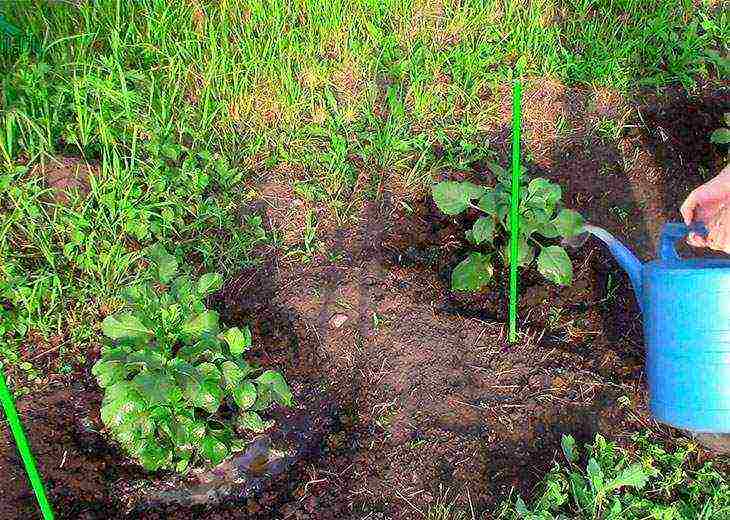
(609, 483)
(722, 134)
(177, 389)
(542, 219)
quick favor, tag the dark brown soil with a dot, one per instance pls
(414, 389)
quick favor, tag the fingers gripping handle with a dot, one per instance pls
(674, 231)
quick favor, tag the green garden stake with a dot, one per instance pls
(514, 214)
(17, 430)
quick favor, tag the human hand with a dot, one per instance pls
(710, 204)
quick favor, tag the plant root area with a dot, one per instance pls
(407, 394)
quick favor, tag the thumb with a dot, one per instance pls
(688, 207)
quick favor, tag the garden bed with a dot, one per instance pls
(405, 390)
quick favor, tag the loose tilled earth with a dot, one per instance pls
(406, 392)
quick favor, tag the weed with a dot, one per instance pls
(608, 483)
(562, 126)
(622, 214)
(722, 135)
(445, 508)
(309, 245)
(541, 219)
(176, 387)
(555, 316)
(608, 129)
(335, 257)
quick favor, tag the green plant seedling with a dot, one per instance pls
(542, 220)
(604, 482)
(722, 135)
(177, 389)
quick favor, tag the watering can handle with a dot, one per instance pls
(674, 231)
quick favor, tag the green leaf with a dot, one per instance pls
(205, 322)
(214, 450)
(543, 193)
(264, 399)
(616, 511)
(188, 377)
(253, 421)
(595, 475)
(579, 490)
(208, 348)
(110, 368)
(720, 136)
(134, 430)
(245, 395)
(569, 223)
(503, 202)
(276, 383)
(109, 372)
(483, 230)
(209, 283)
(502, 175)
(177, 429)
(120, 401)
(525, 252)
(161, 415)
(232, 374)
(569, 449)
(210, 396)
(144, 359)
(473, 191)
(182, 465)
(166, 263)
(124, 326)
(472, 273)
(238, 341)
(157, 387)
(195, 431)
(451, 197)
(555, 265)
(488, 203)
(209, 371)
(137, 294)
(548, 230)
(154, 456)
(531, 220)
(182, 290)
(211, 389)
(633, 476)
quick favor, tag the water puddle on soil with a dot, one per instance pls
(237, 479)
(270, 464)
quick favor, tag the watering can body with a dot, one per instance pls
(686, 309)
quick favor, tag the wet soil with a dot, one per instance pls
(406, 390)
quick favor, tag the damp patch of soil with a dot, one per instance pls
(405, 390)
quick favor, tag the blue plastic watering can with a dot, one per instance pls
(686, 308)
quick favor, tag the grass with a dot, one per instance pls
(178, 105)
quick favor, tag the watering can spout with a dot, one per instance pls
(625, 258)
